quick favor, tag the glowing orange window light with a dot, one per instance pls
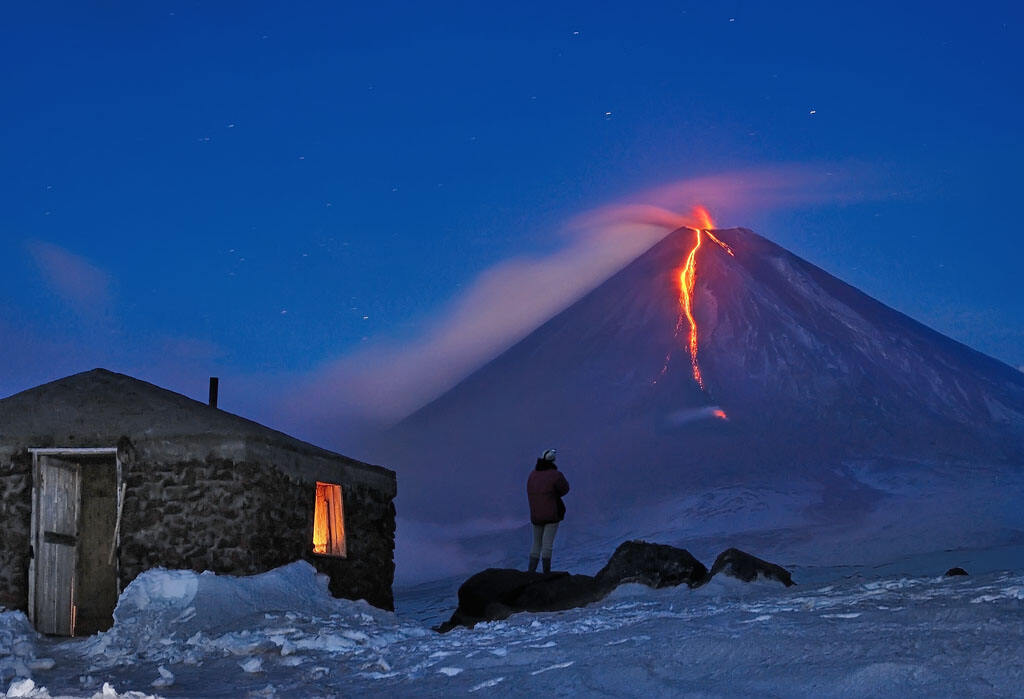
(328, 521)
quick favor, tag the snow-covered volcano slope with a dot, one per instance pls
(826, 390)
(280, 634)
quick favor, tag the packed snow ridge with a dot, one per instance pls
(179, 633)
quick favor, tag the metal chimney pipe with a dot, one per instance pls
(214, 385)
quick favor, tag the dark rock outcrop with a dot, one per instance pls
(654, 565)
(955, 571)
(741, 565)
(496, 593)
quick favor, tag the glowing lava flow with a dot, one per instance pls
(720, 243)
(687, 280)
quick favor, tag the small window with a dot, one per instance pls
(328, 521)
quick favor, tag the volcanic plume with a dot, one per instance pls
(631, 384)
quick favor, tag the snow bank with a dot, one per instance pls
(179, 616)
(172, 627)
(18, 645)
(20, 659)
(157, 589)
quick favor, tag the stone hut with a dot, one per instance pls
(103, 476)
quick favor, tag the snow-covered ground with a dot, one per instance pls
(871, 614)
(178, 633)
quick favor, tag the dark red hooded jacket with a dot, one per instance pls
(545, 488)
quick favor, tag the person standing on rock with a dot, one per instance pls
(545, 488)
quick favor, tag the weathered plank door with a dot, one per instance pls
(57, 506)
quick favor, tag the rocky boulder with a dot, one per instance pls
(496, 593)
(743, 566)
(654, 565)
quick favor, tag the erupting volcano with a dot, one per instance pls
(814, 374)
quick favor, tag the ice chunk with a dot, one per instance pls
(26, 688)
(486, 683)
(166, 678)
(558, 666)
(252, 665)
(331, 642)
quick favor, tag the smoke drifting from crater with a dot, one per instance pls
(379, 384)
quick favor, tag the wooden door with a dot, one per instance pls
(56, 505)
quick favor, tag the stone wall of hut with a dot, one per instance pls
(229, 516)
(240, 518)
(15, 527)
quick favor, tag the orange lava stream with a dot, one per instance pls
(687, 279)
(687, 282)
(720, 243)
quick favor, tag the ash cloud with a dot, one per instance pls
(378, 384)
(735, 197)
(76, 280)
(383, 382)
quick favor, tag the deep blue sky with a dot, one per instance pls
(250, 189)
